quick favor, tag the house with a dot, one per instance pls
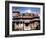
(26, 21)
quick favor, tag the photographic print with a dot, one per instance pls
(25, 18)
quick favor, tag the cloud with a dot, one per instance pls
(27, 11)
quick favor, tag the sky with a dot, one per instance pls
(26, 9)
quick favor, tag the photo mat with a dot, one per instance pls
(20, 15)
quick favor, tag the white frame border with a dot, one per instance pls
(23, 32)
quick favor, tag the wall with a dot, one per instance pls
(2, 19)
